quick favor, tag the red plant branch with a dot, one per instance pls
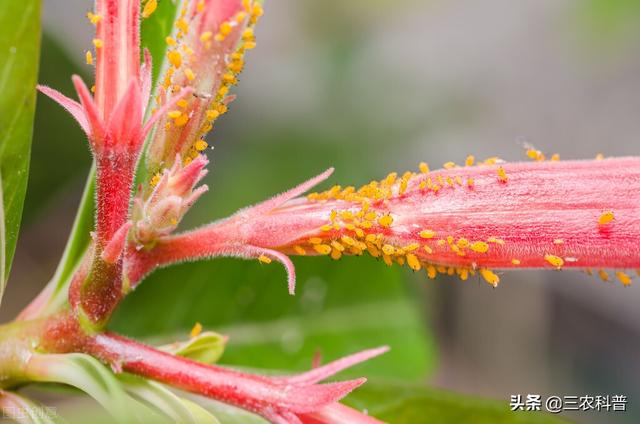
(279, 399)
(543, 215)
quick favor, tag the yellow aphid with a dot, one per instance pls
(462, 242)
(411, 247)
(385, 220)
(223, 90)
(554, 260)
(212, 114)
(490, 277)
(337, 246)
(470, 182)
(201, 145)
(495, 240)
(196, 330)
(154, 180)
(322, 249)
(326, 227)
(206, 36)
(240, 17)
(470, 160)
(606, 218)
(247, 34)
(229, 78)
(94, 18)
(225, 28)
(479, 247)
(450, 239)
(431, 271)
(89, 57)
(264, 259)
(98, 43)
(299, 250)
(555, 157)
(183, 103)
(424, 167)
(175, 58)
(373, 250)
(413, 262)
(181, 120)
(533, 154)
(182, 25)
(170, 41)
(387, 249)
(174, 114)
(315, 240)
(348, 241)
(449, 165)
(441, 242)
(427, 234)
(427, 249)
(492, 160)
(189, 74)
(515, 261)
(623, 277)
(463, 272)
(502, 175)
(604, 276)
(149, 7)
(256, 10)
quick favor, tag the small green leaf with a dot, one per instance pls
(89, 375)
(226, 414)
(24, 410)
(206, 347)
(156, 396)
(19, 52)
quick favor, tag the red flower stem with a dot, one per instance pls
(267, 396)
(118, 54)
(536, 215)
(113, 191)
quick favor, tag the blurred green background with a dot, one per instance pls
(370, 87)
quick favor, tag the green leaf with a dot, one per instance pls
(399, 403)
(226, 414)
(19, 51)
(24, 410)
(206, 347)
(89, 375)
(156, 396)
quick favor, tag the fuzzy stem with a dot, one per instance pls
(515, 215)
(270, 397)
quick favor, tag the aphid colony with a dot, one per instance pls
(361, 222)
